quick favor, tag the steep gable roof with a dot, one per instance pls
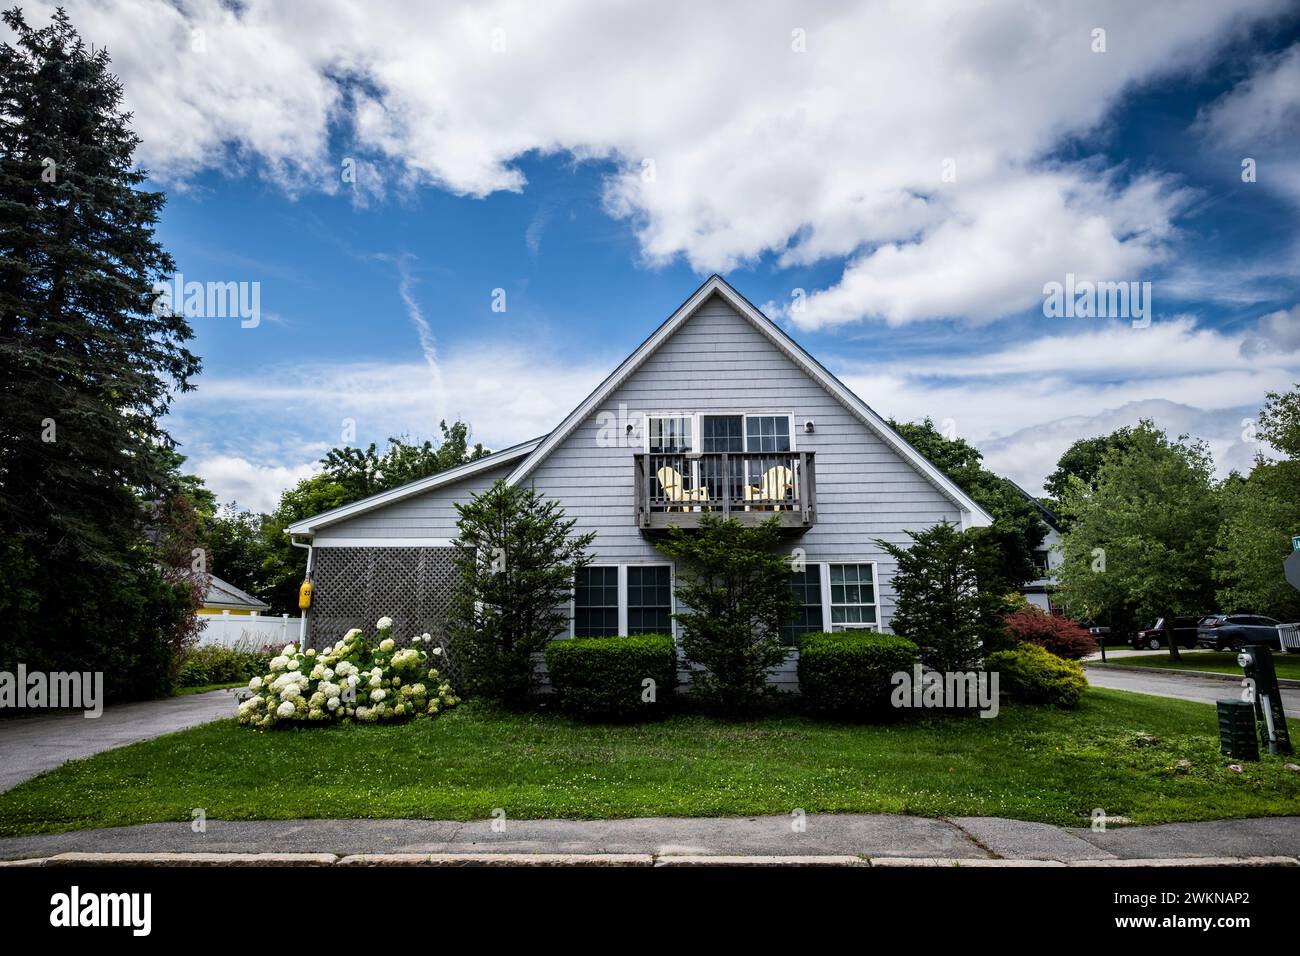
(972, 514)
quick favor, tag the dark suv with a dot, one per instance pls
(1153, 638)
(1231, 631)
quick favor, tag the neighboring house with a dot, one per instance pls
(223, 596)
(1046, 559)
(718, 410)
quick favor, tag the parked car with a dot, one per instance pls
(1231, 631)
(1153, 638)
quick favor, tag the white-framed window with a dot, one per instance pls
(649, 599)
(620, 599)
(806, 585)
(851, 596)
(595, 601)
(671, 433)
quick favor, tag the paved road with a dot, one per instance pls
(33, 745)
(1205, 690)
(872, 835)
(1115, 652)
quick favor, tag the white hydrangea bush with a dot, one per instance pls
(355, 680)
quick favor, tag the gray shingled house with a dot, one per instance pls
(719, 410)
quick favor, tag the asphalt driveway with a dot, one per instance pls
(33, 745)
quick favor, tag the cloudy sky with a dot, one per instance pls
(917, 171)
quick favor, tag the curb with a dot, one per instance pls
(497, 859)
(191, 859)
(1195, 861)
(607, 860)
(702, 860)
(931, 862)
(1289, 682)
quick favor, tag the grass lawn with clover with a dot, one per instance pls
(1029, 763)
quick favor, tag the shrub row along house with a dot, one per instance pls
(718, 411)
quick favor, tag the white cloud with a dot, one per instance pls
(1025, 404)
(253, 486)
(1029, 455)
(1260, 118)
(507, 394)
(756, 149)
(1276, 332)
(999, 243)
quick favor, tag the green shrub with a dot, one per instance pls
(1034, 675)
(849, 673)
(602, 678)
(222, 665)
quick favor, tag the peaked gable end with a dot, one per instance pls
(688, 358)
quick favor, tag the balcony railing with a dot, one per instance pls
(679, 489)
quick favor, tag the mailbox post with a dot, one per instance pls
(1257, 660)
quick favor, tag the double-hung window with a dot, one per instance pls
(806, 585)
(649, 599)
(595, 602)
(853, 597)
(635, 599)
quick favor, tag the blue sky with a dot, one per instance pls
(507, 147)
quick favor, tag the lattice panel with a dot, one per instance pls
(355, 587)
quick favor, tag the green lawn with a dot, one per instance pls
(1220, 662)
(204, 688)
(1027, 763)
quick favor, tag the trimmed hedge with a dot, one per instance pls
(849, 673)
(601, 678)
(214, 664)
(1034, 675)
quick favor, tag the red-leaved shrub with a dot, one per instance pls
(1060, 635)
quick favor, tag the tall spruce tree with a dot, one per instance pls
(87, 369)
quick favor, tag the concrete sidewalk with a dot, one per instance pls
(33, 745)
(832, 837)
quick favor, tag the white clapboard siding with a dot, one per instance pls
(718, 361)
(430, 515)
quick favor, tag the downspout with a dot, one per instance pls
(302, 621)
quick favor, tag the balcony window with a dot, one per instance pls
(670, 434)
(595, 602)
(767, 433)
(720, 433)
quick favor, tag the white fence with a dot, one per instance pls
(1289, 638)
(249, 630)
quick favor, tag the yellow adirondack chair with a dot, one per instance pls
(778, 482)
(675, 490)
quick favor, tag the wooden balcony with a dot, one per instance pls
(677, 490)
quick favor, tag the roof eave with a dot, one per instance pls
(310, 526)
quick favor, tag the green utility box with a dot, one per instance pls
(1237, 729)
